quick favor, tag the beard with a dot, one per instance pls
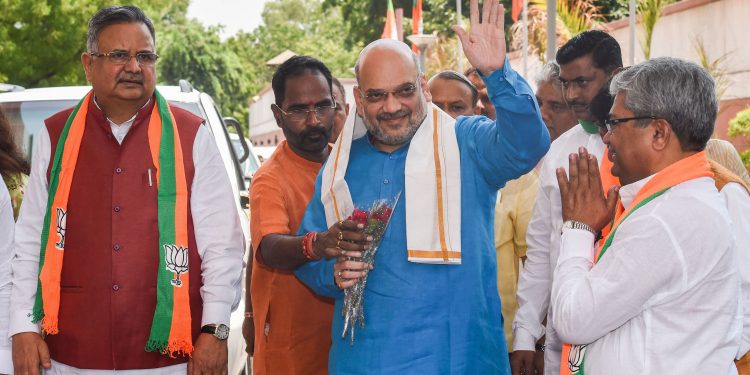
(404, 135)
(313, 139)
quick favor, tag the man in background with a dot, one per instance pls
(453, 93)
(556, 113)
(342, 109)
(587, 62)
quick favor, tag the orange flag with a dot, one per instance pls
(389, 31)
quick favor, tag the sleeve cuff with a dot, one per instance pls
(216, 313)
(576, 243)
(20, 321)
(498, 76)
(523, 340)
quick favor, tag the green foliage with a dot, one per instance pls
(302, 26)
(650, 12)
(191, 52)
(41, 41)
(740, 124)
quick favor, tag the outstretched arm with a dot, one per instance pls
(517, 140)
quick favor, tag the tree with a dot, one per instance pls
(41, 41)
(573, 17)
(650, 13)
(190, 51)
(302, 26)
(739, 126)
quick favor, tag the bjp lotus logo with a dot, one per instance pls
(575, 358)
(177, 262)
(61, 220)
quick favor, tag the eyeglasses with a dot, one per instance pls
(614, 122)
(123, 57)
(406, 91)
(300, 115)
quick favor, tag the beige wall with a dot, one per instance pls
(722, 26)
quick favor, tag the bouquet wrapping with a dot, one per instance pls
(375, 221)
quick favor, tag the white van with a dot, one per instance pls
(27, 109)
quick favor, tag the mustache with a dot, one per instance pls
(393, 115)
(133, 79)
(314, 131)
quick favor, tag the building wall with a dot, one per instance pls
(722, 27)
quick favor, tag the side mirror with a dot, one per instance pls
(231, 121)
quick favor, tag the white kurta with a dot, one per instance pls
(738, 203)
(218, 236)
(6, 254)
(543, 243)
(664, 298)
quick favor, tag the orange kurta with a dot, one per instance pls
(292, 324)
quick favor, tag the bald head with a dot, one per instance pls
(386, 52)
(391, 93)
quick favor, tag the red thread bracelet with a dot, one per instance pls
(307, 245)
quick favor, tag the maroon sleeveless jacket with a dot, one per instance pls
(108, 283)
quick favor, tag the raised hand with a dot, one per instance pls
(484, 44)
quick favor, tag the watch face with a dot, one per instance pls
(222, 332)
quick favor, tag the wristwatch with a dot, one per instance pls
(572, 224)
(219, 331)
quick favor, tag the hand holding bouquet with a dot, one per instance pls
(375, 221)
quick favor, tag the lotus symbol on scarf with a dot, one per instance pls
(61, 220)
(177, 261)
(575, 358)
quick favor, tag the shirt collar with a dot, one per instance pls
(628, 192)
(127, 122)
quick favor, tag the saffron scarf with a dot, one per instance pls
(690, 168)
(171, 327)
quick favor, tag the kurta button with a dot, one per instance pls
(115, 287)
(116, 247)
(391, 157)
(118, 170)
(117, 208)
(386, 181)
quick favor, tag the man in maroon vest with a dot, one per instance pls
(108, 281)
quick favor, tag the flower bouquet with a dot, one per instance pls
(376, 221)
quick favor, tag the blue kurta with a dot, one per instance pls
(424, 318)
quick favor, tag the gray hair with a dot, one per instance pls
(678, 91)
(550, 73)
(115, 15)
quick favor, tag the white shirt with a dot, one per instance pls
(664, 298)
(6, 254)
(218, 234)
(737, 202)
(543, 242)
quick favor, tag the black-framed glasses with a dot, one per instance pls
(123, 57)
(406, 91)
(614, 122)
(300, 114)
